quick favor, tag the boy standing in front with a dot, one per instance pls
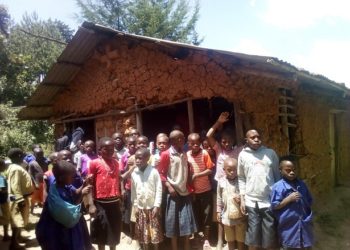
(291, 204)
(174, 172)
(257, 172)
(201, 166)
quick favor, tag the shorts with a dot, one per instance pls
(262, 228)
(5, 214)
(19, 215)
(236, 232)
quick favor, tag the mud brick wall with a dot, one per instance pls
(314, 135)
(120, 73)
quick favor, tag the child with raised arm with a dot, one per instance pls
(201, 169)
(291, 205)
(223, 149)
(228, 206)
(257, 172)
(61, 224)
(146, 196)
(174, 172)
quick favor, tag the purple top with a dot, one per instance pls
(84, 160)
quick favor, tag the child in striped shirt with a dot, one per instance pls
(201, 169)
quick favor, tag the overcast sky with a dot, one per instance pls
(310, 34)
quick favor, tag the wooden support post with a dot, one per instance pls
(139, 122)
(238, 122)
(190, 115)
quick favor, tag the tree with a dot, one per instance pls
(27, 51)
(166, 19)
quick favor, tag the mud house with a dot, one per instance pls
(104, 77)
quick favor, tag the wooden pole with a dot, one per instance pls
(190, 115)
(238, 122)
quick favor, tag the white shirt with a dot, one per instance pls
(146, 188)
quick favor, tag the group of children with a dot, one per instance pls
(255, 198)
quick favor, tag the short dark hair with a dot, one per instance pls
(290, 158)
(143, 151)
(103, 141)
(62, 168)
(15, 154)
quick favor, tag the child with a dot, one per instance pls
(228, 206)
(106, 227)
(201, 166)
(162, 144)
(127, 161)
(83, 162)
(223, 150)
(66, 155)
(61, 225)
(119, 148)
(146, 195)
(291, 204)
(4, 205)
(174, 171)
(20, 188)
(257, 172)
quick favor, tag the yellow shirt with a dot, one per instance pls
(19, 182)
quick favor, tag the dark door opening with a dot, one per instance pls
(205, 112)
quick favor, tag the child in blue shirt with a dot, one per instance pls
(291, 205)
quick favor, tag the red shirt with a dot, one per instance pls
(105, 177)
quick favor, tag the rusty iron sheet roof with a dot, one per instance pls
(68, 64)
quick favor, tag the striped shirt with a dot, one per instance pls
(200, 163)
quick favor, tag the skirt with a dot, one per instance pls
(106, 227)
(148, 228)
(179, 217)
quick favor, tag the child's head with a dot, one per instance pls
(89, 147)
(141, 142)
(134, 132)
(230, 168)
(162, 142)
(288, 168)
(34, 146)
(16, 155)
(194, 142)
(118, 139)
(64, 172)
(65, 155)
(141, 158)
(131, 144)
(177, 139)
(206, 146)
(227, 140)
(38, 153)
(106, 147)
(252, 138)
(53, 158)
(2, 165)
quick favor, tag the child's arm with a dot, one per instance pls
(158, 199)
(208, 164)
(163, 167)
(211, 132)
(219, 203)
(292, 197)
(84, 190)
(241, 182)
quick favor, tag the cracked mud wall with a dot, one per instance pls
(121, 72)
(314, 150)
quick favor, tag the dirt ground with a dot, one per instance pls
(331, 220)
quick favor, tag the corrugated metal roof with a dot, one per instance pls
(89, 35)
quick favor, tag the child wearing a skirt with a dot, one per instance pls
(174, 172)
(146, 196)
(61, 224)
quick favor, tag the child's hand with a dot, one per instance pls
(218, 217)
(155, 212)
(295, 196)
(88, 180)
(194, 176)
(172, 191)
(92, 210)
(237, 199)
(223, 117)
(243, 207)
(86, 190)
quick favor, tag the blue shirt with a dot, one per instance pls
(295, 219)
